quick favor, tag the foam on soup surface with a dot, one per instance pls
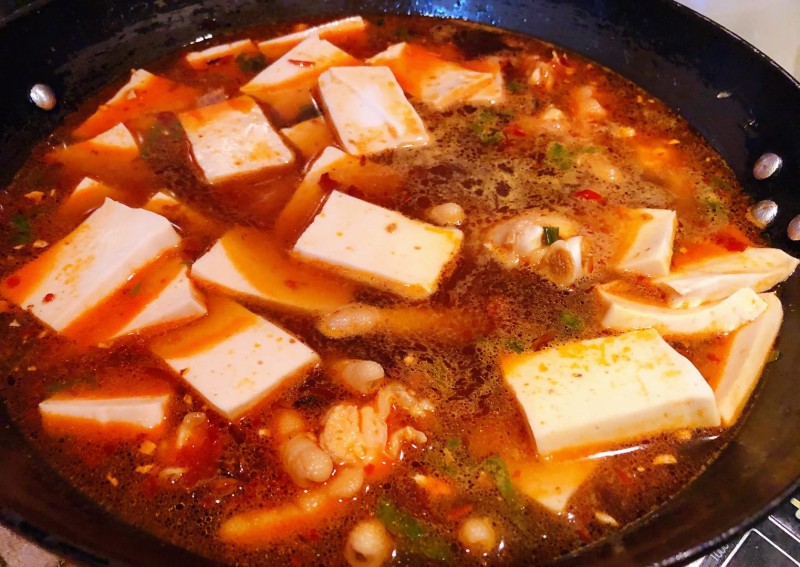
(459, 296)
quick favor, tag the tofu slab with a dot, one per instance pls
(368, 110)
(208, 57)
(177, 302)
(141, 412)
(623, 314)
(720, 276)
(608, 391)
(248, 262)
(88, 195)
(337, 29)
(143, 94)
(307, 198)
(118, 138)
(551, 483)
(431, 79)
(233, 138)
(286, 84)
(747, 353)
(378, 246)
(233, 358)
(112, 156)
(89, 264)
(647, 246)
(310, 136)
(494, 92)
(183, 215)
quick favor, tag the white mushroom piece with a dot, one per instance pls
(547, 243)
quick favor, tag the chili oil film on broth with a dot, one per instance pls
(380, 291)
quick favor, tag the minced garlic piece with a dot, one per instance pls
(147, 447)
(604, 518)
(665, 459)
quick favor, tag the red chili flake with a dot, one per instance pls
(49, 297)
(369, 469)
(363, 161)
(543, 340)
(391, 227)
(712, 357)
(291, 284)
(327, 183)
(589, 195)
(583, 533)
(729, 242)
(301, 63)
(624, 476)
(149, 487)
(514, 130)
(13, 281)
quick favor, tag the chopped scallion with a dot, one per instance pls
(250, 63)
(515, 87)
(571, 320)
(418, 539)
(22, 229)
(550, 235)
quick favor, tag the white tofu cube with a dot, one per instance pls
(310, 136)
(161, 201)
(177, 302)
(309, 194)
(275, 47)
(182, 215)
(88, 195)
(144, 93)
(88, 186)
(89, 264)
(118, 139)
(286, 84)
(494, 92)
(549, 482)
(431, 79)
(647, 245)
(207, 57)
(728, 315)
(747, 352)
(233, 358)
(247, 262)
(233, 138)
(719, 276)
(112, 157)
(379, 247)
(139, 82)
(368, 110)
(140, 412)
(608, 391)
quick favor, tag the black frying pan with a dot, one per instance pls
(77, 46)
